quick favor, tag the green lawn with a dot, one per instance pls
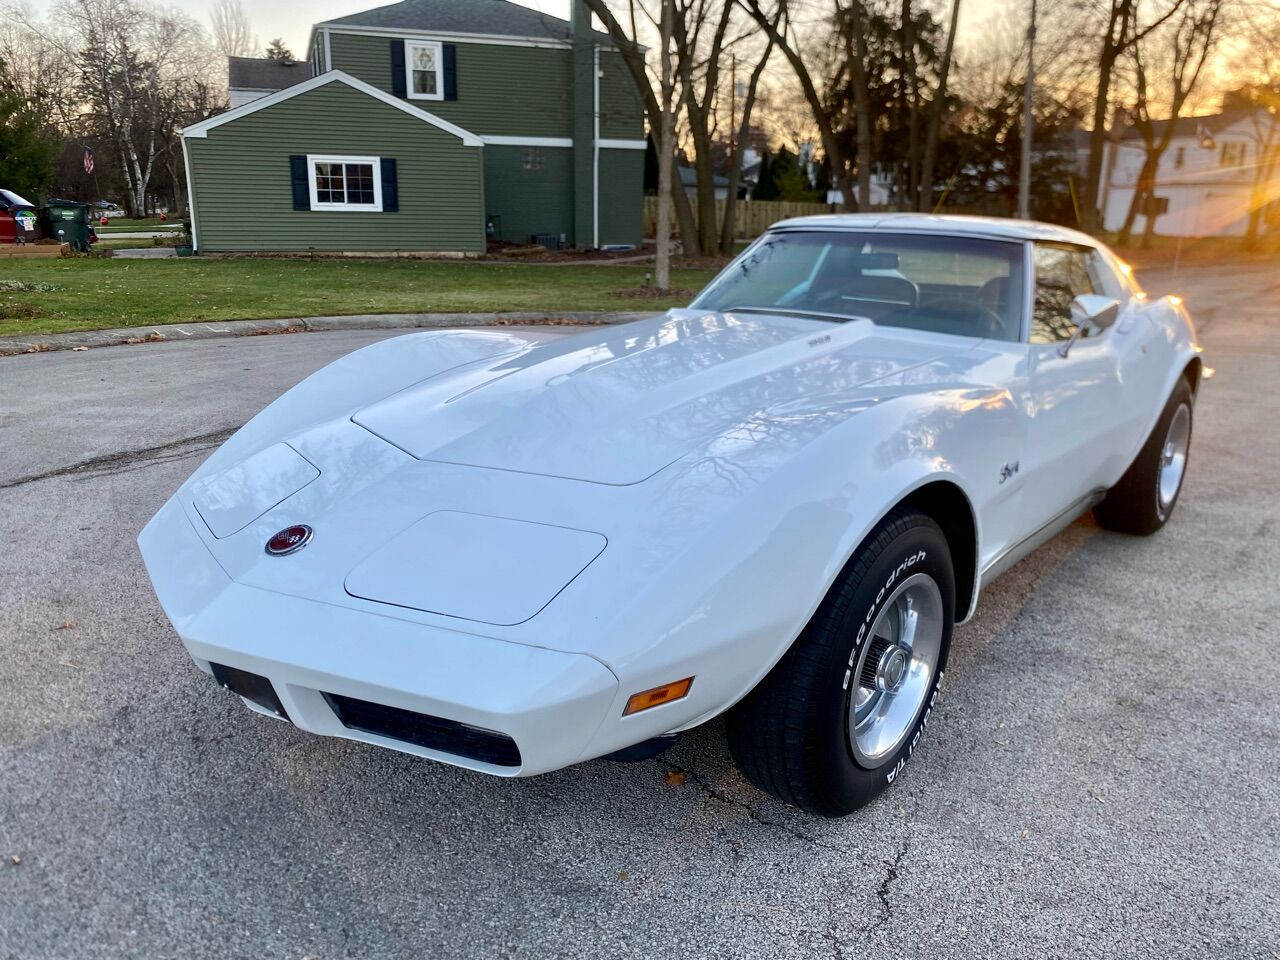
(88, 293)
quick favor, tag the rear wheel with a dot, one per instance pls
(836, 720)
(1144, 498)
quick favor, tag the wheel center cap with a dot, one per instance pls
(892, 669)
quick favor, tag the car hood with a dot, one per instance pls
(615, 407)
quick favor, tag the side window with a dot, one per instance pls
(1062, 274)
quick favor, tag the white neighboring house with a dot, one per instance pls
(250, 79)
(1205, 181)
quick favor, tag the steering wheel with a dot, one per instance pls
(962, 308)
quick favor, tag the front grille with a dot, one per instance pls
(423, 730)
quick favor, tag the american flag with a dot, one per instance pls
(88, 159)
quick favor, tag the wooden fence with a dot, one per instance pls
(752, 217)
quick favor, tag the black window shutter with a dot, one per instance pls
(450, 71)
(398, 85)
(301, 189)
(390, 189)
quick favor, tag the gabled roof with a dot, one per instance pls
(252, 73)
(1190, 126)
(496, 18)
(201, 129)
(689, 177)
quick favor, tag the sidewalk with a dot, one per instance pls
(43, 343)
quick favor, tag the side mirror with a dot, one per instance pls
(1090, 310)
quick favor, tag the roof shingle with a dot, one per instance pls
(250, 73)
(492, 17)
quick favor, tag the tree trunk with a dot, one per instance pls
(935, 115)
(830, 144)
(728, 229)
(911, 93)
(662, 258)
(633, 57)
(857, 57)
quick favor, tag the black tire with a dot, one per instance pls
(1134, 504)
(790, 736)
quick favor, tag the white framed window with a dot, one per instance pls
(345, 183)
(1232, 155)
(424, 69)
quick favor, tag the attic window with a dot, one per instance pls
(424, 63)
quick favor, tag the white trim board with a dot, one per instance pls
(496, 39)
(201, 129)
(451, 37)
(375, 165)
(500, 141)
(528, 141)
(191, 198)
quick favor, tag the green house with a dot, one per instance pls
(426, 126)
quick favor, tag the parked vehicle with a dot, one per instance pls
(515, 555)
(17, 218)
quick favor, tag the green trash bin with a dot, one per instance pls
(67, 222)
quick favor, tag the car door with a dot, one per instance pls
(1074, 400)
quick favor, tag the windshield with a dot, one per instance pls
(961, 285)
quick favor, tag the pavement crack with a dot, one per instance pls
(719, 796)
(882, 892)
(126, 460)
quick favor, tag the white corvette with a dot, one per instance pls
(514, 555)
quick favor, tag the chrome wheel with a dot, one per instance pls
(1173, 458)
(895, 669)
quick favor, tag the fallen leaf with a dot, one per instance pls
(675, 778)
(15, 859)
(65, 625)
(624, 875)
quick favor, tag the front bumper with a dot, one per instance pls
(551, 704)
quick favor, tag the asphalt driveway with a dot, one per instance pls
(1102, 777)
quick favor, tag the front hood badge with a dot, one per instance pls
(289, 540)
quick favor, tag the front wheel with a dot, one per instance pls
(1145, 496)
(838, 717)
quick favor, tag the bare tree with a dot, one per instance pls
(774, 19)
(232, 34)
(662, 259)
(1119, 36)
(629, 45)
(139, 66)
(728, 226)
(1259, 64)
(1179, 53)
(937, 112)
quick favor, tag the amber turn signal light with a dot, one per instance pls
(657, 696)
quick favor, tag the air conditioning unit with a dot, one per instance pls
(548, 240)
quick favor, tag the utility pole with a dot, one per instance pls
(1028, 93)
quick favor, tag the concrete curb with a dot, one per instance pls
(44, 343)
